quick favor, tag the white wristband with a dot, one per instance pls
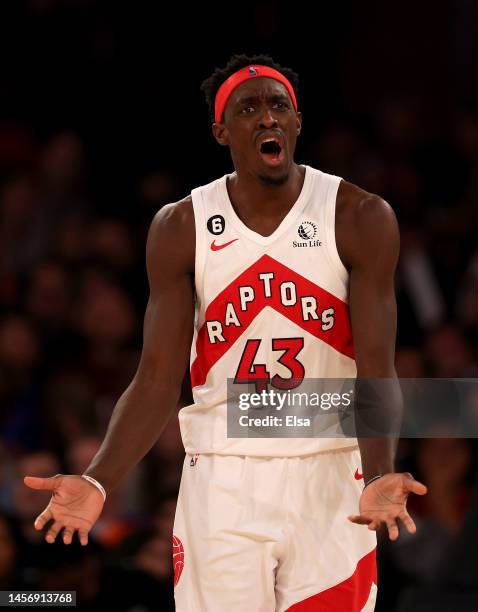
(372, 479)
(96, 483)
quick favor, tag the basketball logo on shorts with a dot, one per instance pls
(178, 558)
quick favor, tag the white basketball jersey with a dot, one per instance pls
(274, 305)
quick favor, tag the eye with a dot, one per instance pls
(281, 105)
(247, 110)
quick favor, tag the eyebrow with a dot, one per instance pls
(272, 98)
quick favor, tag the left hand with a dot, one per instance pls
(385, 500)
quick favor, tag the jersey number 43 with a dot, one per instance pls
(250, 372)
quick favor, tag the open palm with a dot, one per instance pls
(75, 505)
(384, 501)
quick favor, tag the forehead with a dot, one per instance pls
(260, 87)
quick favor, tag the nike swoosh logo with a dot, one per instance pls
(357, 475)
(218, 247)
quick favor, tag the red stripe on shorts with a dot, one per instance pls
(348, 596)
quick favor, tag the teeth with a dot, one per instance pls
(263, 142)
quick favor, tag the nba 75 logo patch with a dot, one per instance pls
(308, 233)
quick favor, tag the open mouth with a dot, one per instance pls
(271, 151)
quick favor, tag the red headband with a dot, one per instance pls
(244, 74)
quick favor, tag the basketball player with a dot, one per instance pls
(261, 524)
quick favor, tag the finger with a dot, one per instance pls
(42, 519)
(68, 535)
(53, 532)
(374, 525)
(83, 535)
(417, 487)
(408, 522)
(413, 485)
(359, 519)
(34, 482)
(392, 529)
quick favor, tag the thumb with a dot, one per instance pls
(35, 482)
(414, 486)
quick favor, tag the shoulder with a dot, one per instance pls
(175, 216)
(171, 234)
(365, 223)
(358, 207)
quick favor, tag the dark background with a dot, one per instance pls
(101, 123)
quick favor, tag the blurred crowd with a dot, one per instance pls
(73, 289)
(72, 294)
(427, 169)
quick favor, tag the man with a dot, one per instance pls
(261, 524)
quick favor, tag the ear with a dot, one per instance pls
(220, 133)
(299, 122)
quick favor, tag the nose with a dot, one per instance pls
(267, 120)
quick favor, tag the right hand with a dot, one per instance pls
(75, 505)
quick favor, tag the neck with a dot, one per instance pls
(250, 194)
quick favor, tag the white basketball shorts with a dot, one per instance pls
(256, 534)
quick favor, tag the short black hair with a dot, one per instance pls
(211, 85)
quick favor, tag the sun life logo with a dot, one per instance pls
(308, 233)
(307, 230)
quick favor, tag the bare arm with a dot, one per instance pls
(145, 407)
(372, 253)
(369, 246)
